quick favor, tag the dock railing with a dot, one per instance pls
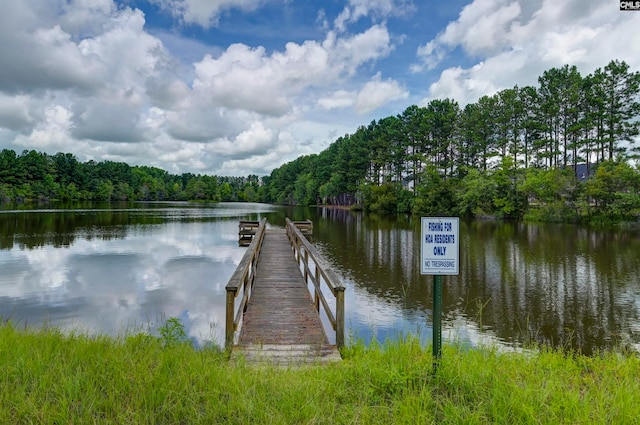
(316, 272)
(246, 231)
(305, 227)
(242, 281)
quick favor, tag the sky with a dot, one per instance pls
(239, 87)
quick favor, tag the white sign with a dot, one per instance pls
(440, 248)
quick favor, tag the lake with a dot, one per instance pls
(118, 269)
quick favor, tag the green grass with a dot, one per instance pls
(47, 377)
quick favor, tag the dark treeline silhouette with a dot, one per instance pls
(560, 151)
(36, 176)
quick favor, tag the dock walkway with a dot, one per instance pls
(281, 323)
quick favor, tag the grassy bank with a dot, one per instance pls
(48, 377)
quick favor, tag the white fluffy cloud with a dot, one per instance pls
(338, 100)
(373, 94)
(15, 113)
(483, 28)
(248, 79)
(85, 76)
(378, 92)
(204, 12)
(514, 42)
(50, 132)
(91, 77)
(356, 9)
(36, 57)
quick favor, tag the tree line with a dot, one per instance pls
(561, 151)
(36, 176)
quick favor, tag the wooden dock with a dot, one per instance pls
(246, 231)
(279, 319)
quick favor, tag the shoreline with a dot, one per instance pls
(338, 207)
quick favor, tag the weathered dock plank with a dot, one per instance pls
(281, 324)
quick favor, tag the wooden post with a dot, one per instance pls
(316, 288)
(306, 266)
(340, 317)
(230, 326)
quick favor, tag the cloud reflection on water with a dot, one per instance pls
(117, 285)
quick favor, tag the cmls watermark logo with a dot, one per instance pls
(629, 5)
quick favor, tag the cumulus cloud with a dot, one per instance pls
(167, 94)
(50, 132)
(95, 78)
(348, 53)
(248, 79)
(85, 17)
(243, 84)
(108, 122)
(481, 29)
(514, 42)
(376, 9)
(254, 141)
(204, 12)
(42, 58)
(38, 44)
(378, 92)
(338, 100)
(284, 147)
(86, 76)
(373, 94)
(128, 53)
(15, 113)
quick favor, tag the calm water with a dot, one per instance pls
(126, 269)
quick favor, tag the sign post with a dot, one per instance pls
(440, 255)
(437, 319)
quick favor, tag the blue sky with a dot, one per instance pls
(237, 87)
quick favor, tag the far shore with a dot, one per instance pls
(336, 207)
